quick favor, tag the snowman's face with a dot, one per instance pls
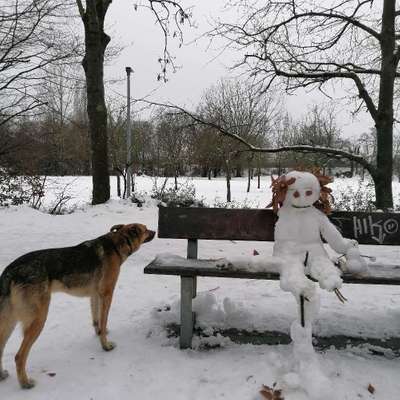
(304, 192)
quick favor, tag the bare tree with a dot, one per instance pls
(244, 111)
(31, 38)
(309, 43)
(96, 41)
(172, 131)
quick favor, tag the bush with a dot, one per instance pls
(138, 198)
(218, 203)
(16, 190)
(184, 196)
(360, 197)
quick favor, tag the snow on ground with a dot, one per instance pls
(147, 365)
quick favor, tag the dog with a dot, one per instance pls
(89, 269)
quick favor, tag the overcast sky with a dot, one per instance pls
(142, 40)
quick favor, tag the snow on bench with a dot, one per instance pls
(257, 267)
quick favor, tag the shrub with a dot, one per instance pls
(360, 197)
(183, 196)
(138, 198)
(16, 190)
(218, 203)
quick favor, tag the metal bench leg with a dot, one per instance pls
(188, 292)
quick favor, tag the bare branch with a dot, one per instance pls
(325, 76)
(166, 11)
(331, 152)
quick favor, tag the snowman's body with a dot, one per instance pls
(298, 238)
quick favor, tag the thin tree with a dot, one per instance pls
(308, 44)
(32, 38)
(240, 109)
(96, 40)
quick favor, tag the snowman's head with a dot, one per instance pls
(300, 189)
(304, 191)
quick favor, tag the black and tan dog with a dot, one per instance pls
(89, 269)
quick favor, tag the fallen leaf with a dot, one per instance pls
(371, 389)
(270, 393)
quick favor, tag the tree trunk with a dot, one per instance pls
(249, 177)
(228, 182)
(384, 120)
(118, 185)
(96, 42)
(384, 165)
(352, 168)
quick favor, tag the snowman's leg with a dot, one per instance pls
(293, 278)
(326, 273)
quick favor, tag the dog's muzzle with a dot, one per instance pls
(150, 236)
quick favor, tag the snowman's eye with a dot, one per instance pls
(308, 192)
(296, 194)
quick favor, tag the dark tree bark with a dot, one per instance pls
(228, 181)
(96, 41)
(384, 118)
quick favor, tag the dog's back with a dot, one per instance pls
(65, 265)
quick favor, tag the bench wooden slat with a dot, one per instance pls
(219, 268)
(258, 225)
(215, 223)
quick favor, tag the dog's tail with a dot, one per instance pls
(5, 287)
(7, 319)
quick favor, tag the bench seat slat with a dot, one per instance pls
(378, 274)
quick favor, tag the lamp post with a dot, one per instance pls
(128, 133)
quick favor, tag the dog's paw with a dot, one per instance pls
(29, 384)
(3, 375)
(109, 346)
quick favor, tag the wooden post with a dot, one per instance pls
(302, 316)
(302, 311)
(187, 316)
(188, 293)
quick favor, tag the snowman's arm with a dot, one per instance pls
(334, 238)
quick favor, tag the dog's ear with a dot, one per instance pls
(135, 231)
(116, 228)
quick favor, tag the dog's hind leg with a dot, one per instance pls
(7, 325)
(32, 324)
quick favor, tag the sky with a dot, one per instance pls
(200, 64)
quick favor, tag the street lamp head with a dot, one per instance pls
(128, 70)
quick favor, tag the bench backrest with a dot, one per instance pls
(258, 225)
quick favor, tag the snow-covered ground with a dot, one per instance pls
(68, 362)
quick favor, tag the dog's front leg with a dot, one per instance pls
(105, 303)
(94, 306)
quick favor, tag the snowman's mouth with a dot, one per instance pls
(300, 206)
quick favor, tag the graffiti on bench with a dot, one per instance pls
(377, 228)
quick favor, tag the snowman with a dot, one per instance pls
(302, 202)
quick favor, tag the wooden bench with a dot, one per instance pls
(196, 224)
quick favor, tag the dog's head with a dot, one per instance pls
(128, 238)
